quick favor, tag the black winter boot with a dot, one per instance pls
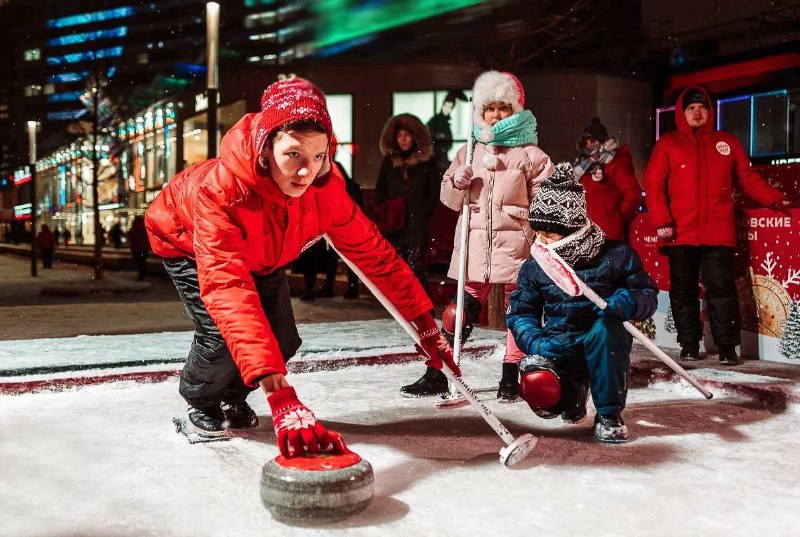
(573, 401)
(508, 391)
(352, 291)
(727, 355)
(208, 420)
(690, 351)
(326, 292)
(433, 382)
(240, 415)
(610, 429)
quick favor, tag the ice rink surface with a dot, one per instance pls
(105, 461)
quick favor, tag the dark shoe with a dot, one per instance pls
(326, 292)
(240, 415)
(508, 392)
(433, 382)
(208, 421)
(690, 351)
(727, 355)
(610, 429)
(308, 296)
(352, 291)
(573, 403)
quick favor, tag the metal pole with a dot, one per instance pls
(32, 164)
(212, 85)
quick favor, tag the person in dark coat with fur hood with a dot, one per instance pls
(572, 347)
(407, 190)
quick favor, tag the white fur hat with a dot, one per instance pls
(495, 86)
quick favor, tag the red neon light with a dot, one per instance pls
(23, 217)
(734, 75)
(22, 180)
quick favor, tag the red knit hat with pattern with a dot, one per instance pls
(291, 100)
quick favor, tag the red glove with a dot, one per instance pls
(433, 344)
(297, 429)
(783, 206)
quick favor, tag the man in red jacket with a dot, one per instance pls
(226, 229)
(689, 183)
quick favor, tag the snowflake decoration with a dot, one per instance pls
(297, 419)
(769, 264)
(793, 277)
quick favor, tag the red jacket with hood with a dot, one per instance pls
(690, 179)
(614, 202)
(232, 218)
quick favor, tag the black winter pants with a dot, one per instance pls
(47, 258)
(210, 375)
(140, 260)
(715, 265)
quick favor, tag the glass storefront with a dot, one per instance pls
(147, 161)
(426, 104)
(195, 131)
(340, 108)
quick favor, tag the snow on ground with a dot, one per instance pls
(104, 460)
(318, 339)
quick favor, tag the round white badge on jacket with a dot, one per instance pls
(723, 148)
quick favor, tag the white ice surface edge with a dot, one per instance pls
(353, 338)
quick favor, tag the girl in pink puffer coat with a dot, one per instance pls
(505, 173)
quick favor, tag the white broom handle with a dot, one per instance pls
(462, 259)
(635, 332)
(465, 390)
(462, 279)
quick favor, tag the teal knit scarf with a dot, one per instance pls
(515, 130)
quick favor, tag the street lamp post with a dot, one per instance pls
(212, 86)
(32, 165)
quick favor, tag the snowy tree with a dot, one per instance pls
(790, 342)
(669, 322)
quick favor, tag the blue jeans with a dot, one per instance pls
(600, 356)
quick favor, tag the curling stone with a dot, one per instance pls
(316, 488)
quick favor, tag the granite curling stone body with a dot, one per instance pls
(323, 488)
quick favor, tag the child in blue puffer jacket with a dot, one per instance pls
(571, 346)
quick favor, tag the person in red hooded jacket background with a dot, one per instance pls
(605, 169)
(689, 183)
(227, 227)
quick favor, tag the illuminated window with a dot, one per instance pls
(32, 90)
(67, 77)
(665, 121)
(67, 114)
(64, 96)
(265, 18)
(72, 39)
(733, 116)
(426, 104)
(85, 18)
(769, 124)
(76, 57)
(33, 54)
(340, 108)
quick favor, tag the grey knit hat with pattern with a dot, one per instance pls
(560, 204)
